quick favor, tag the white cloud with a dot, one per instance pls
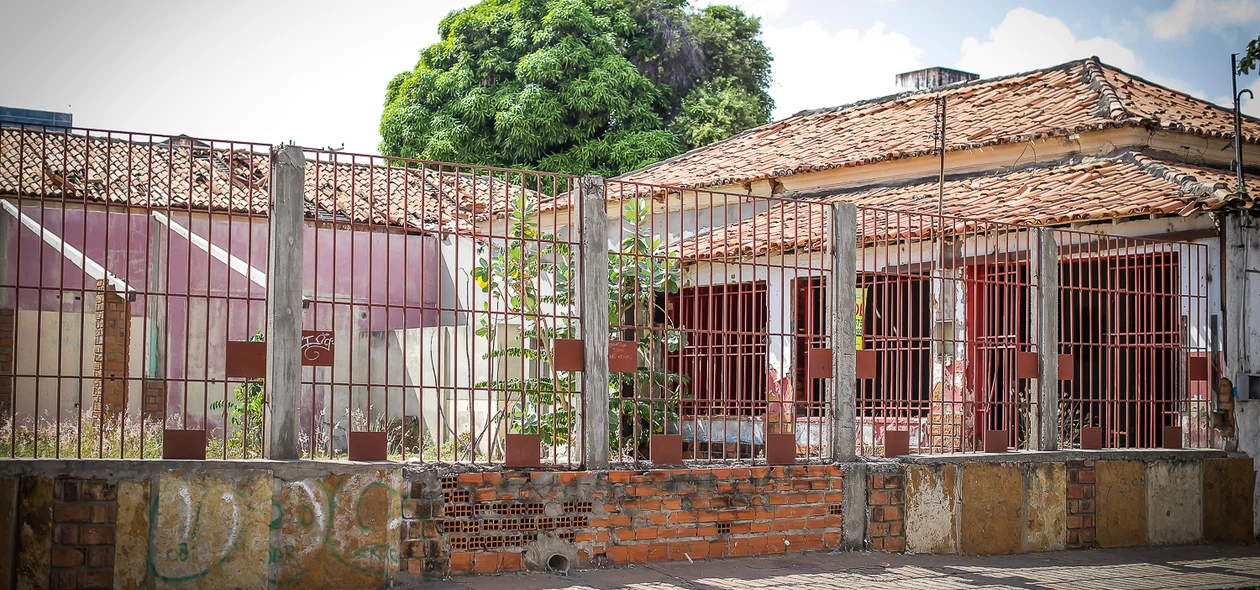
(1027, 40)
(313, 72)
(1185, 16)
(816, 68)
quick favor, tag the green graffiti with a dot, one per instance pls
(305, 514)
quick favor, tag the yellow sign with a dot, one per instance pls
(861, 308)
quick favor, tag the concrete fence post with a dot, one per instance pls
(1045, 253)
(843, 295)
(594, 260)
(284, 302)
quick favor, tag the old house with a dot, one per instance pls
(1132, 177)
(131, 263)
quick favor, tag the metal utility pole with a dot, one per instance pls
(1238, 161)
(940, 146)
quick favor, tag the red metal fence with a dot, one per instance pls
(703, 301)
(1134, 331)
(130, 262)
(444, 294)
(944, 306)
(442, 309)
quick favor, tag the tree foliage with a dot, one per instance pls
(579, 86)
(1248, 61)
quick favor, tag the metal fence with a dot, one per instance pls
(130, 262)
(443, 292)
(946, 334)
(442, 316)
(1135, 339)
(718, 323)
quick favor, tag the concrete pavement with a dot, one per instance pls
(1182, 568)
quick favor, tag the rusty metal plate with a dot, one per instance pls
(1091, 438)
(184, 444)
(568, 354)
(623, 356)
(866, 364)
(1025, 365)
(246, 359)
(896, 443)
(780, 449)
(1197, 367)
(523, 450)
(995, 441)
(1172, 437)
(818, 363)
(317, 349)
(367, 446)
(666, 449)
(1067, 367)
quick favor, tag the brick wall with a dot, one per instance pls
(113, 327)
(488, 522)
(154, 399)
(84, 515)
(8, 337)
(1082, 533)
(885, 504)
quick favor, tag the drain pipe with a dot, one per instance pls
(558, 564)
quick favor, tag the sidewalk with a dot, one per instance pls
(1183, 568)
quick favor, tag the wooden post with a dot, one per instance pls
(1045, 254)
(284, 302)
(594, 290)
(843, 394)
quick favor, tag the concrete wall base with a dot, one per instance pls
(134, 523)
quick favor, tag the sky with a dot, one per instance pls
(314, 72)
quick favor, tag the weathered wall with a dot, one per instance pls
(254, 524)
(126, 524)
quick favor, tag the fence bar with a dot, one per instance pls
(1046, 256)
(594, 289)
(284, 302)
(843, 227)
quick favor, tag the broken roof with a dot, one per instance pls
(1076, 189)
(1059, 101)
(233, 177)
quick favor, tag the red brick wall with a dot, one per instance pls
(886, 518)
(482, 522)
(154, 399)
(1082, 533)
(84, 513)
(113, 327)
(8, 327)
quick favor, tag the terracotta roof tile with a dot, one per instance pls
(186, 175)
(1058, 101)
(1078, 189)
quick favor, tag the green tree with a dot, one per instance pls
(1250, 57)
(578, 86)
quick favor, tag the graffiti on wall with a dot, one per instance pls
(331, 531)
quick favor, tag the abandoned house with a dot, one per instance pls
(1133, 177)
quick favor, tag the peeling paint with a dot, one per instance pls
(931, 503)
